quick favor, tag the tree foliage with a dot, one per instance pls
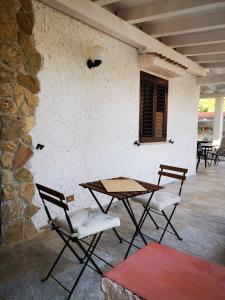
(207, 105)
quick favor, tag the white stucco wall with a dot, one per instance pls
(88, 119)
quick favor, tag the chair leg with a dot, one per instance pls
(143, 220)
(87, 254)
(69, 246)
(216, 159)
(198, 163)
(169, 223)
(174, 230)
(55, 263)
(151, 217)
(85, 264)
(91, 247)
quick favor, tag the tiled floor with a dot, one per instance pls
(200, 219)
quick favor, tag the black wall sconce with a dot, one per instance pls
(39, 146)
(171, 141)
(96, 55)
(137, 143)
(93, 63)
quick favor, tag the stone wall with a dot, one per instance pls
(19, 64)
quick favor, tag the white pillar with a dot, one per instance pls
(218, 120)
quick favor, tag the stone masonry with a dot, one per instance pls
(19, 65)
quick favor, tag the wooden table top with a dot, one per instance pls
(98, 187)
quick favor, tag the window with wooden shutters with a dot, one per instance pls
(153, 108)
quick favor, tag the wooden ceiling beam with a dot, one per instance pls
(194, 39)
(186, 25)
(209, 58)
(172, 8)
(214, 65)
(105, 2)
(212, 95)
(203, 49)
(211, 79)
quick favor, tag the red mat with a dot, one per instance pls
(157, 272)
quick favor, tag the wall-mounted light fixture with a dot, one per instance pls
(96, 56)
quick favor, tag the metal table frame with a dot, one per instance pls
(124, 197)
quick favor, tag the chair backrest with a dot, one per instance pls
(55, 198)
(222, 143)
(199, 148)
(177, 173)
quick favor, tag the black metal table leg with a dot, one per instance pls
(131, 214)
(140, 223)
(205, 158)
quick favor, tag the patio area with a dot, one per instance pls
(92, 90)
(200, 219)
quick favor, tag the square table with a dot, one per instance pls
(206, 147)
(157, 272)
(97, 186)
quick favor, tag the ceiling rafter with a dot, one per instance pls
(212, 95)
(209, 58)
(193, 39)
(160, 10)
(211, 79)
(203, 49)
(214, 65)
(186, 25)
(105, 2)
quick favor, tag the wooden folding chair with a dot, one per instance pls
(219, 153)
(163, 200)
(74, 227)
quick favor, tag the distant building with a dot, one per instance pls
(205, 125)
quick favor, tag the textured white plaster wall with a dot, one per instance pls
(88, 119)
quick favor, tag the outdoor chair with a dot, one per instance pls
(74, 227)
(220, 152)
(162, 200)
(204, 152)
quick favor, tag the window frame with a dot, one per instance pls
(156, 81)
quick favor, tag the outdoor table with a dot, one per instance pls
(97, 186)
(206, 148)
(157, 272)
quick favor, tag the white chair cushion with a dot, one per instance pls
(143, 199)
(159, 201)
(87, 221)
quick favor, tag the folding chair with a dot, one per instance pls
(74, 227)
(219, 153)
(163, 200)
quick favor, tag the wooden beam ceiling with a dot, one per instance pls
(172, 8)
(212, 95)
(105, 2)
(211, 79)
(208, 58)
(214, 65)
(203, 49)
(193, 39)
(196, 29)
(186, 25)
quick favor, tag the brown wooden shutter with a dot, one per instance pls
(153, 108)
